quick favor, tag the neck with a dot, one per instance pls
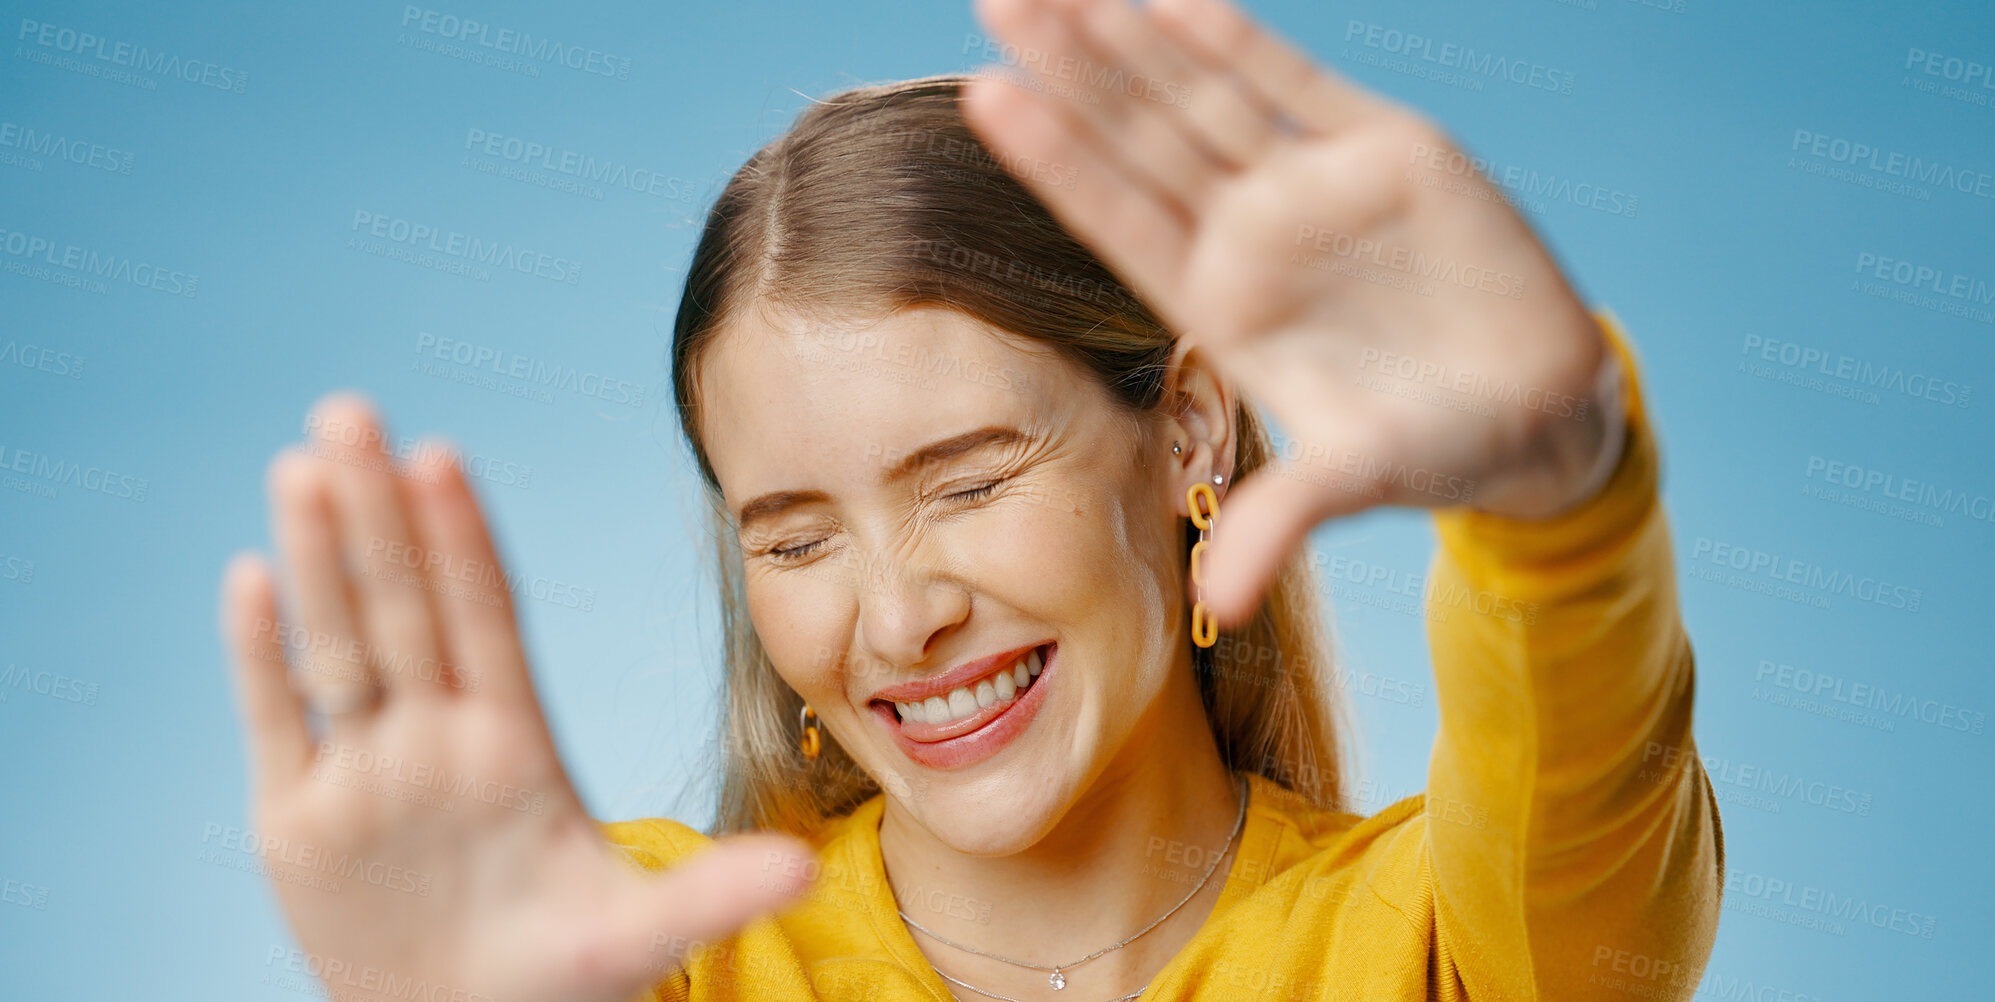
(1131, 846)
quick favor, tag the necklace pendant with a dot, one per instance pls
(1057, 980)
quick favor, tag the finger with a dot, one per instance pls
(1123, 109)
(1172, 82)
(1263, 520)
(380, 544)
(1140, 236)
(331, 662)
(273, 715)
(475, 617)
(709, 896)
(1316, 99)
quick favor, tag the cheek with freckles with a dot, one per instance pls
(1079, 558)
(804, 618)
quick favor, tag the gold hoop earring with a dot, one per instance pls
(807, 717)
(1204, 629)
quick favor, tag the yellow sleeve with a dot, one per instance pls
(1574, 836)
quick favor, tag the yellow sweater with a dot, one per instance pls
(1567, 847)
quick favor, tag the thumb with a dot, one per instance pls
(711, 896)
(1265, 518)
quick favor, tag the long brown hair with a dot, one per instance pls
(880, 198)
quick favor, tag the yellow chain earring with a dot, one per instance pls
(1204, 629)
(808, 718)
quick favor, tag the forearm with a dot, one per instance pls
(1565, 682)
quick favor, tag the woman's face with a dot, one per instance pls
(923, 508)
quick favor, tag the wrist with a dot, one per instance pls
(1570, 451)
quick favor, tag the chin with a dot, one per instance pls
(999, 816)
(983, 768)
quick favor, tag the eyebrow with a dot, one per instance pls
(942, 451)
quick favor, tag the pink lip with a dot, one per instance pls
(965, 742)
(955, 678)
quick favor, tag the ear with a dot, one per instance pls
(1199, 417)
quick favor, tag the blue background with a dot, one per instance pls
(111, 804)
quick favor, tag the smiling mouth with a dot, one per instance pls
(975, 720)
(966, 702)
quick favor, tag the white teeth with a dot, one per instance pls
(1001, 687)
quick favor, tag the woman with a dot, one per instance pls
(961, 456)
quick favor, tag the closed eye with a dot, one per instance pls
(797, 552)
(976, 493)
(789, 554)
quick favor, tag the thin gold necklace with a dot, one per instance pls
(1057, 978)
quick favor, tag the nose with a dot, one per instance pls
(906, 608)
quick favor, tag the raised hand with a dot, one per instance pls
(1330, 251)
(429, 836)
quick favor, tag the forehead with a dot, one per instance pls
(783, 397)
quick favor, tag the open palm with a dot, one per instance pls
(429, 837)
(1331, 253)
